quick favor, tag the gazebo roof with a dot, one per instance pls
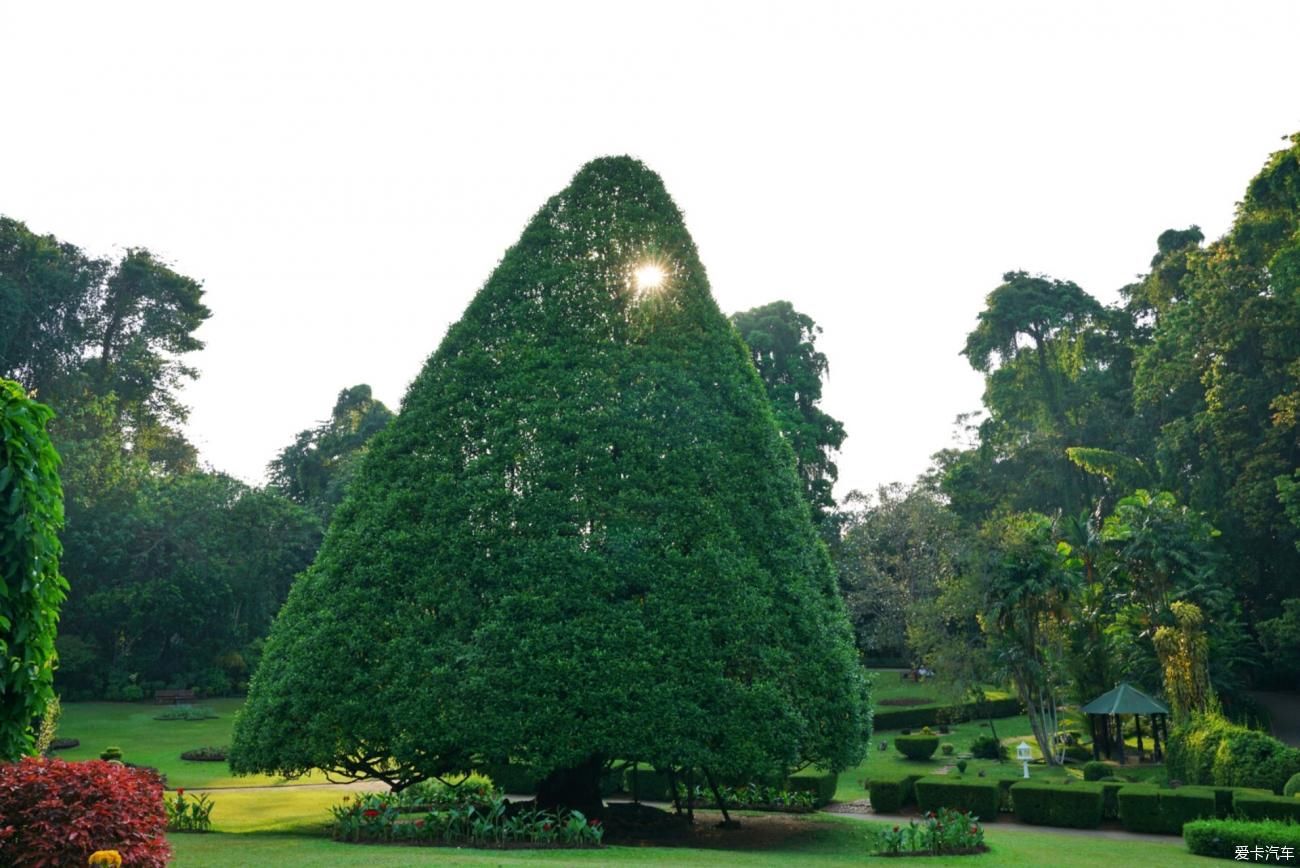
(1125, 699)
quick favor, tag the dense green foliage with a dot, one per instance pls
(582, 539)
(1149, 425)
(782, 344)
(1222, 838)
(31, 589)
(1073, 805)
(315, 469)
(1208, 749)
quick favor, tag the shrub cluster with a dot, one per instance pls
(1073, 805)
(752, 797)
(54, 812)
(978, 796)
(1291, 788)
(987, 747)
(1212, 750)
(1095, 771)
(205, 754)
(1224, 839)
(917, 747)
(889, 795)
(380, 818)
(942, 832)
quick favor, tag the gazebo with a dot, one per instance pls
(1104, 715)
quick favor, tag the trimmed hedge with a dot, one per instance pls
(1110, 797)
(1292, 787)
(821, 784)
(985, 746)
(1223, 797)
(1257, 806)
(973, 795)
(1149, 809)
(1073, 805)
(917, 747)
(1221, 838)
(930, 715)
(889, 795)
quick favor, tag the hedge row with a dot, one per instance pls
(930, 715)
(1259, 806)
(889, 795)
(821, 784)
(977, 796)
(1144, 808)
(1074, 805)
(1221, 838)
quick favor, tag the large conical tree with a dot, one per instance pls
(582, 540)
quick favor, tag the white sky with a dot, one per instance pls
(343, 178)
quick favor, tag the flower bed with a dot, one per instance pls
(940, 833)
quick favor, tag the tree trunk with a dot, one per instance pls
(577, 788)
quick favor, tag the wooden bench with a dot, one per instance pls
(173, 697)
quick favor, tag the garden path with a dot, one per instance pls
(1008, 825)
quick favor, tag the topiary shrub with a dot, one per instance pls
(974, 796)
(889, 794)
(111, 752)
(917, 747)
(987, 747)
(1095, 770)
(1221, 838)
(1292, 786)
(948, 749)
(1074, 805)
(58, 813)
(205, 754)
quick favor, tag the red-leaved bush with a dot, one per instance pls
(56, 813)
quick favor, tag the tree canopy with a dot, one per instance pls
(582, 539)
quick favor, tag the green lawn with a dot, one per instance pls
(281, 827)
(158, 743)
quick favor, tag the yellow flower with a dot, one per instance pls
(106, 859)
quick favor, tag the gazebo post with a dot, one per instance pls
(1137, 721)
(1119, 738)
(1096, 741)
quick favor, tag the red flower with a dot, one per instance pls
(370, 812)
(546, 827)
(895, 828)
(974, 829)
(593, 822)
(180, 792)
(419, 824)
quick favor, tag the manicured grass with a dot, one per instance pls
(827, 840)
(158, 743)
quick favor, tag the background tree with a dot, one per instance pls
(896, 553)
(1028, 580)
(31, 514)
(315, 469)
(596, 534)
(782, 343)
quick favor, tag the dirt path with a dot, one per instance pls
(1284, 709)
